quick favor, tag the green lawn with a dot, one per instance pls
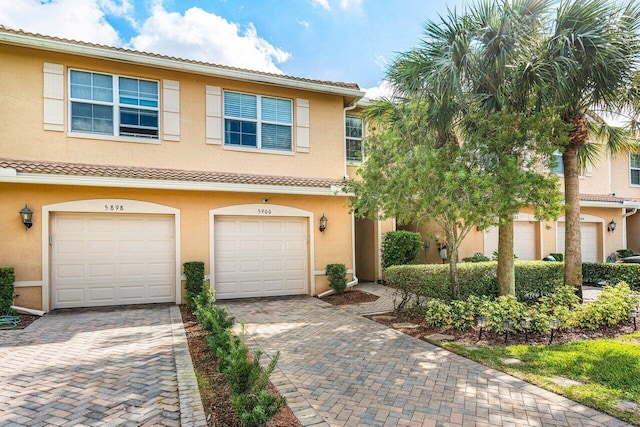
(609, 369)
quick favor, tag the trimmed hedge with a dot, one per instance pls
(597, 273)
(417, 283)
(194, 279)
(337, 275)
(7, 277)
(400, 247)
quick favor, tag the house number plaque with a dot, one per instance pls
(264, 211)
(114, 208)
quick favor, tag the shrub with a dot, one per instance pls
(337, 275)
(535, 279)
(437, 313)
(476, 258)
(400, 248)
(623, 253)
(611, 307)
(7, 278)
(558, 256)
(611, 274)
(255, 409)
(504, 307)
(415, 283)
(194, 279)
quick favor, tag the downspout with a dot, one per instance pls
(31, 311)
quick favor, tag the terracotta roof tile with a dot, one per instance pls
(188, 61)
(603, 198)
(134, 172)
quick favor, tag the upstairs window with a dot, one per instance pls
(258, 122)
(558, 167)
(353, 132)
(107, 104)
(635, 169)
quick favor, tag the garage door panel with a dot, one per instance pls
(265, 256)
(588, 240)
(126, 261)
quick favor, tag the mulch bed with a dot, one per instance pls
(216, 398)
(350, 297)
(470, 338)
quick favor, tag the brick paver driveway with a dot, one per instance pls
(341, 369)
(119, 366)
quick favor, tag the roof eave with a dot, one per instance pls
(170, 64)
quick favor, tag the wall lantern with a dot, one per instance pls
(611, 227)
(26, 215)
(323, 223)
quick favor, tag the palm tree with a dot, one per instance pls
(586, 71)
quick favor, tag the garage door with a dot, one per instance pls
(100, 260)
(256, 257)
(588, 240)
(524, 243)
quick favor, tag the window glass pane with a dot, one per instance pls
(276, 137)
(240, 105)
(138, 92)
(276, 110)
(92, 86)
(136, 122)
(635, 176)
(237, 132)
(91, 118)
(353, 127)
(635, 161)
(80, 77)
(354, 150)
(558, 167)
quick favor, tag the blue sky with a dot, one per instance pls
(339, 40)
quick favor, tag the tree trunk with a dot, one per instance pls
(506, 264)
(453, 273)
(572, 242)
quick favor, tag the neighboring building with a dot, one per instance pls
(609, 192)
(134, 163)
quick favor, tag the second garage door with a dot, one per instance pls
(100, 260)
(588, 240)
(524, 243)
(256, 257)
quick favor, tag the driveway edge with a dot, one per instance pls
(191, 409)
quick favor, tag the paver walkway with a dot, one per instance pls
(338, 368)
(119, 366)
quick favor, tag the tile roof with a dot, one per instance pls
(345, 85)
(135, 172)
(603, 198)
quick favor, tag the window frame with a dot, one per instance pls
(259, 121)
(116, 107)
(347, 138)
(631, 168)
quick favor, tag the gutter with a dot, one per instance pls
(628, 214)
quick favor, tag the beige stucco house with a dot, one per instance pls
(134, 163)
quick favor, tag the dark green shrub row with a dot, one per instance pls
(247, 379)
(7, 277)
(416, 283)
(611, 307)
(400, 248)
(194, 280)
(476, 258)
(611, 274)
(337, 275)
(623, 253)
(558, 256)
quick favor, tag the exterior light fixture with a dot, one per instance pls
(634, 313)
(482, 322)
(26, 215)
(508, 327)
(553, 325)
(611, 227)
(323, 223)
(525, 322)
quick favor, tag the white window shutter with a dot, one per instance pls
(213, 115)
(302, 125)
(53, 96)
(171, 110)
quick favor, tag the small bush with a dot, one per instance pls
(7, 278)
(437, 313)
(597, 273)
(535, 279)
(612, 306)
(623, 253)
(255, 409)
(476, 258)
(194, 279)
(337, 275)
(400, 248)
(558, 256)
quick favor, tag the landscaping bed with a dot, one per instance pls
(350, 297)
(214, 390)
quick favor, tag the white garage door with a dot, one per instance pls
(588, 240)
(100, 260)
(256, 257)
(524, 243)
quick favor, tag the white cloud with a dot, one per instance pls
(304, 23)
(383, 90)
(79, 20)
(346, 4)
(204, 36)
(381, 62)
(321, 3)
